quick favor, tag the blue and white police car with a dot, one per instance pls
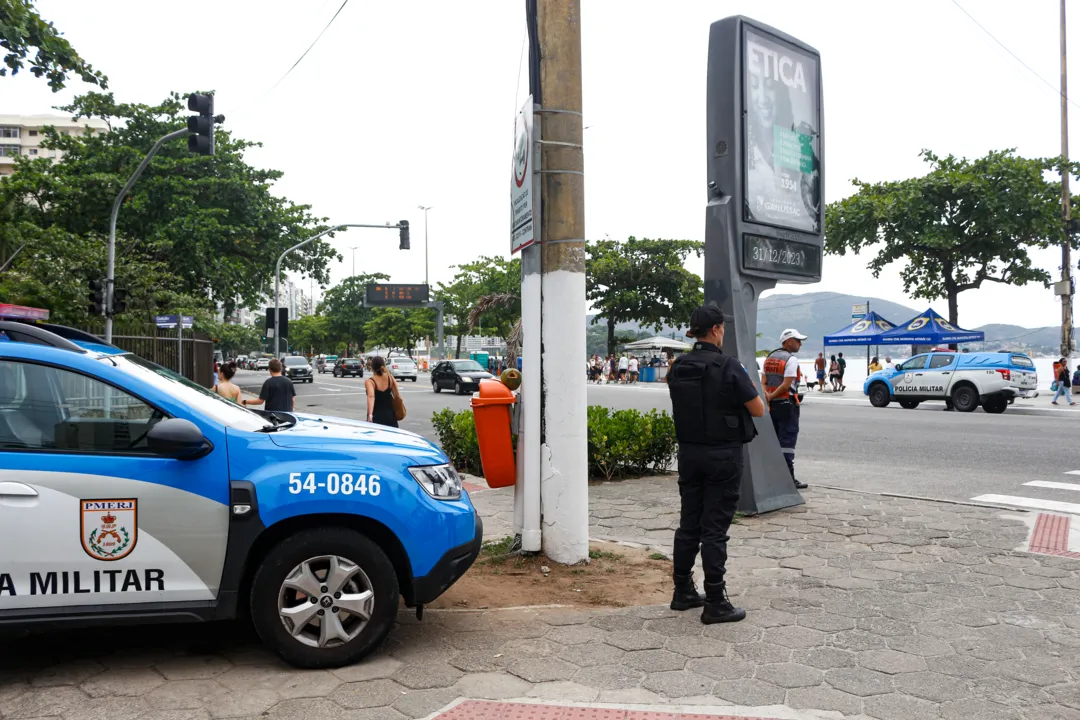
(130, 494)
(966, 380)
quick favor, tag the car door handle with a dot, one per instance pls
(918, 374)
(946, 373)
(16, 489)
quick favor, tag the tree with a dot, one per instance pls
(964, 223)
(343, 305)
(234, 339)
(310, 333)
(22, 29)
(398, 328)
(205, 228)
(641, 280)
(486, 276)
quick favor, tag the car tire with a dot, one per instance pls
(995, 405)
(314, 548)
(879, 395)
(909, 404)
(457, 387)
(965, 399)
(435, 387)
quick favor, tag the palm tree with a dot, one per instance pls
(492, 302)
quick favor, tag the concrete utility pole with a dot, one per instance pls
(564, 487)
(427, 341)
(1066, 210)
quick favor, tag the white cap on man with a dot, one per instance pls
(789, 334)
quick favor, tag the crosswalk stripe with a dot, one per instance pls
(1026, 502)
(1053, 485)
(1073, 472)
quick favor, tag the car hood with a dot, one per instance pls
(476, 374)
(321, 430)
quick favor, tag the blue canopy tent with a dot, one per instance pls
(929, 328)
(867, 331)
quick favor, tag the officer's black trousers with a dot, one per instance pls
(709, 480)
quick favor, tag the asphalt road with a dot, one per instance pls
(844, 442)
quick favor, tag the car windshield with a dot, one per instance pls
(295, 361)
(467, 366)
(191, 394)
(1022, 361)
(351, 363)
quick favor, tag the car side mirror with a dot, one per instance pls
(177, 438)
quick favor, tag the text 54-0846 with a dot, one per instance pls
(334, 484)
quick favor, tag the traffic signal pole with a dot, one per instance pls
(403, 226)
(110, 269)
(1066, 210)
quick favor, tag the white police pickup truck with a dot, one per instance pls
(964, 380)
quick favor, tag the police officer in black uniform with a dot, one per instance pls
(712, 400)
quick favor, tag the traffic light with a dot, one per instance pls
(201, 126)
(404, 226)
(119, 301)
(96, 297)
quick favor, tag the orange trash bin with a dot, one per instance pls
(491, 412)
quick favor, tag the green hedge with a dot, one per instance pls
(622, 443)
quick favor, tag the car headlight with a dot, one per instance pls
(441, 482)
(466, 379)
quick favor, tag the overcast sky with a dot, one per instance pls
(413, 102)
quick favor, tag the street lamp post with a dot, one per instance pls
(354, 248)
(425, 209)
(297, 246)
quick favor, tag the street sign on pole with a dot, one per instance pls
(859, 311)
(396, 294)
(166, 322)
(522, 232)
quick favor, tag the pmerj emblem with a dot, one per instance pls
(108, 528)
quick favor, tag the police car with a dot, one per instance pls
(966, 380)
(130, 494)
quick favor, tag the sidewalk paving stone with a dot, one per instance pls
(865, 606)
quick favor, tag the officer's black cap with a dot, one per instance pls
(703, 319)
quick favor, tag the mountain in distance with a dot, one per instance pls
(822, 313)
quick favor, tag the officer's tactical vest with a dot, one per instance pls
(703, 412)
(774, 367)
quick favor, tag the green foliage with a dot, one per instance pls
(398, 328)
(643, 280)
(195, 232)
(343, 305)
(457, 436)
(964, 223)
(629, 443)
(21, 29)
(485, 277)
(235, 339)
(310, 334)
(622, 443)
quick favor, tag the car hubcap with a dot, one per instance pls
(326, 601)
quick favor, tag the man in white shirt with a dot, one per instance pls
(624, 365)
(633, 367)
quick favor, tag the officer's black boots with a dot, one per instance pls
(686, 595)
(718, 609)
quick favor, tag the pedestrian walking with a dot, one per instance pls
(624, 366)
(1063, 383)
(277, 393)
(632, 368)
(712, 401)
(225, 387)
(613, 368)
(380, 394)
(874, 365)
(780, 378)
(834, 373)
(843, 369)
(819, 371)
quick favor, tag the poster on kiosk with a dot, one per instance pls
(764, 215)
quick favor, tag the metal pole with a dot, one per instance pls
(353, 248)
(1066, 210)
(277, 272)
(180, 345)
(110, 269)
(427, 342)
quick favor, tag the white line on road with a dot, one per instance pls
(1053, 485)
(343, 394)
(1034, 503)
(1073, 472)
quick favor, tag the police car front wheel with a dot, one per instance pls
(324, 597)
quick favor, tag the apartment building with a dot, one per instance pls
(22, 135)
